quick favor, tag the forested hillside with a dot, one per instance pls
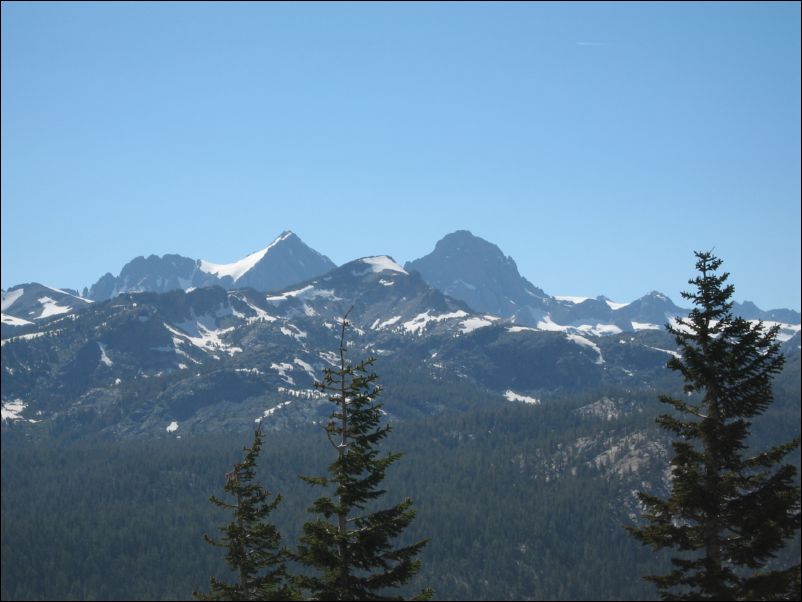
(518, 501)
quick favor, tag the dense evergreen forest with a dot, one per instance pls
(518, 501)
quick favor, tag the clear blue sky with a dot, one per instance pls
(597, 144)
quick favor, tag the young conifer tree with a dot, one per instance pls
(728, 511)
(253, 545)
(350, 547)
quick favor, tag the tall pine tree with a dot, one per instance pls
(253, 545)
(349, 547)
(729, 512)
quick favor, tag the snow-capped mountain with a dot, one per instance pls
(219, 358)
(24, 304)
(750, 311)
(283, 262)
(471, 269)
(215, 359)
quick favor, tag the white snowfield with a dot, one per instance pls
(549, 325)
(305, 367)
(571, 299)
(645, 326)
(599, 330)
(63, 292)
(377, 325)
(306, 293)
(14, 321)
(51, 308)
(282, 370)
(613, 305)
(668, 351)
(383, 263)
(472, 324)
(513, 396)
(785, 333)
(203, 336)
(12, 411)
(580, 340)
(238, 269)
(27, 337)
(103, 356)
(576, 300)
(269, 412)
(419, 323)
(10, 297)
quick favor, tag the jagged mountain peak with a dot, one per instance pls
(235, 270)
(284, 262)
(464, 241)
(469, 268)
(287, 260)
(25, 303)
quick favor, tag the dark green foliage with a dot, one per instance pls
(252, 544)
(123, 519)
(350, 547)
(729, 512)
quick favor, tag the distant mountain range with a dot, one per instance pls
(26, 303)
(469, 268)
(462, 266)
(283, 262)
(217, 357)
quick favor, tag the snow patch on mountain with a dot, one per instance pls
(571, 299)
(549, 325)
(668, 351)
(282, 370)
(305, 367)
(202, 336)
(269, 412)
(472, 324)
(10, 297)
(599, 330)
(237, 269)
(306, 293)
(419, 323)
(644, 326)
(12, 411)
(103, 356)
(26, 337)
(379, 325)
(580, 340)
(613, 305)
(261, 315)
(329, 357)
(293, 331)
(786, 332)
(513, 396)
(14, 321)
(383, 263)
(51, 308)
